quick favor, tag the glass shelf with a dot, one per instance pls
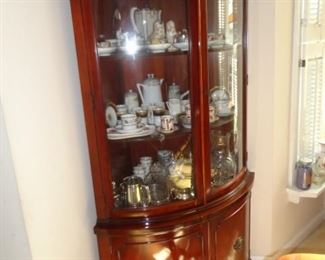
(142, 53)
(221, 123)
(146, 52)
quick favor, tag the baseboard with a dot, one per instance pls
(296, 240)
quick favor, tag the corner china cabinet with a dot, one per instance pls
(164, 94)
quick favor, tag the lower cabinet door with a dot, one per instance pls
(180, 245)
(230, 234)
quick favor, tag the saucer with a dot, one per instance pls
(225, 114)
(106, 51)
(120, 129)
(157, 48)
(159, 129)
(215, 119)
(183, 46)
(112, 133)
(187, 126)
(215, 44)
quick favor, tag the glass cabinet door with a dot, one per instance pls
(225, 80)
(143, 50)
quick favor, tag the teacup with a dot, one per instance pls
(129, 121)
(167, 123)
(121, 109)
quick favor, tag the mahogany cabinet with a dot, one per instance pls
(164, 94)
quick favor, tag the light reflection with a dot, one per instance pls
(163, 254)
(131, 46)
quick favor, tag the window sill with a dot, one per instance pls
(294, 194)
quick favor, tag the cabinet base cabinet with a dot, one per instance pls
(219, 233)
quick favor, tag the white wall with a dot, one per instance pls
(275, 221)
(41, 102)
(12, 225)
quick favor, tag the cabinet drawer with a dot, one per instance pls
(182, 242)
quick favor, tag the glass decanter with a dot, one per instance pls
(223, 163)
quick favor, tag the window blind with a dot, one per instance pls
(312, 94)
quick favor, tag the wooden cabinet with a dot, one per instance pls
(164, 94)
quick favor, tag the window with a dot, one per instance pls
(308, 84)
(311, 97)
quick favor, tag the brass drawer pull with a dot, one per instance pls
(239, 243)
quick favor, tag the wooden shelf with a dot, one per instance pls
(294, 194)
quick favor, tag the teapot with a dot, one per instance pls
(150, 90)
(143, 20)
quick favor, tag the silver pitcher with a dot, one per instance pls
(136, 194)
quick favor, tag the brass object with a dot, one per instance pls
(239, 243)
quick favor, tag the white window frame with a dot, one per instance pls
(294, 194)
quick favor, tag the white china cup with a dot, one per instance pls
(129, 121)
(121, 109)
(167, 123)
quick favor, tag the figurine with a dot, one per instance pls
(158, 35)
(170, 31)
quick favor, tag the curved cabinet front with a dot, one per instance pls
(217, 231)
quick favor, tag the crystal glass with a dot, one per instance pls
(223, 163)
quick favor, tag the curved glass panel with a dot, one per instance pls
(225, 58)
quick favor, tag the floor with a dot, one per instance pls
(314, 243)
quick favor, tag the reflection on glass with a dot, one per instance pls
(143, 54)
(226, 91)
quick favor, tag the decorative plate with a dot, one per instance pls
(111, 116)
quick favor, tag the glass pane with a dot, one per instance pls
(143, 49)
(312, 109)
(225, 57)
